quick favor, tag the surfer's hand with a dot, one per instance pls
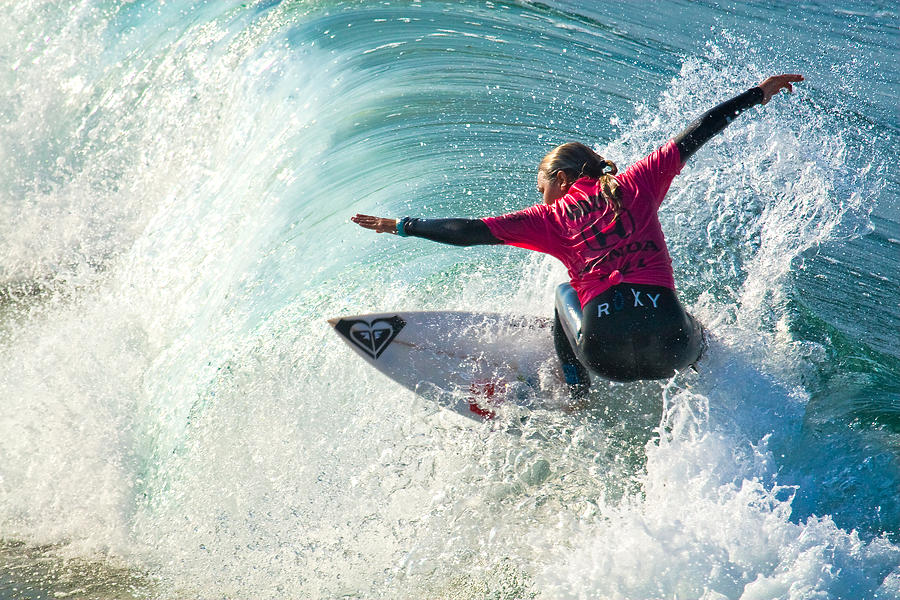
(776, 83)
(376, 224)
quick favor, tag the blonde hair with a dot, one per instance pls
(577, 160)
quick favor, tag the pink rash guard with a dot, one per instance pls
(579, 229)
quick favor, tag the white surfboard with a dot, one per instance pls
(471, 363)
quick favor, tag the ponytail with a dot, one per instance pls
(577, 160)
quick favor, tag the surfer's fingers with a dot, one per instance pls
(783, 79)
(366, 221)
(376, 224)
(772, 85)
(787, 79)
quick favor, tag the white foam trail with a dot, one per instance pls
(147, 288)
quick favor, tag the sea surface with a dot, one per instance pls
(177, 420)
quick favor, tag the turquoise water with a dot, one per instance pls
(178, 422)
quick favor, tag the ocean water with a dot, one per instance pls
(177, 420)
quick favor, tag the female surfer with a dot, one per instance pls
(619, 316)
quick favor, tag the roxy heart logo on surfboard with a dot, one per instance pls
(372, 337)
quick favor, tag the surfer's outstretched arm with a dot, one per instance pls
(713, 121)
(458, 232)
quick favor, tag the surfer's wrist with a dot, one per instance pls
(401, 227)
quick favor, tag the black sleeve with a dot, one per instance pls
(713, 121)
(459, 232)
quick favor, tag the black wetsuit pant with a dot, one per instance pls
(629, 332)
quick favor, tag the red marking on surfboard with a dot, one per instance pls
(484, 390)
